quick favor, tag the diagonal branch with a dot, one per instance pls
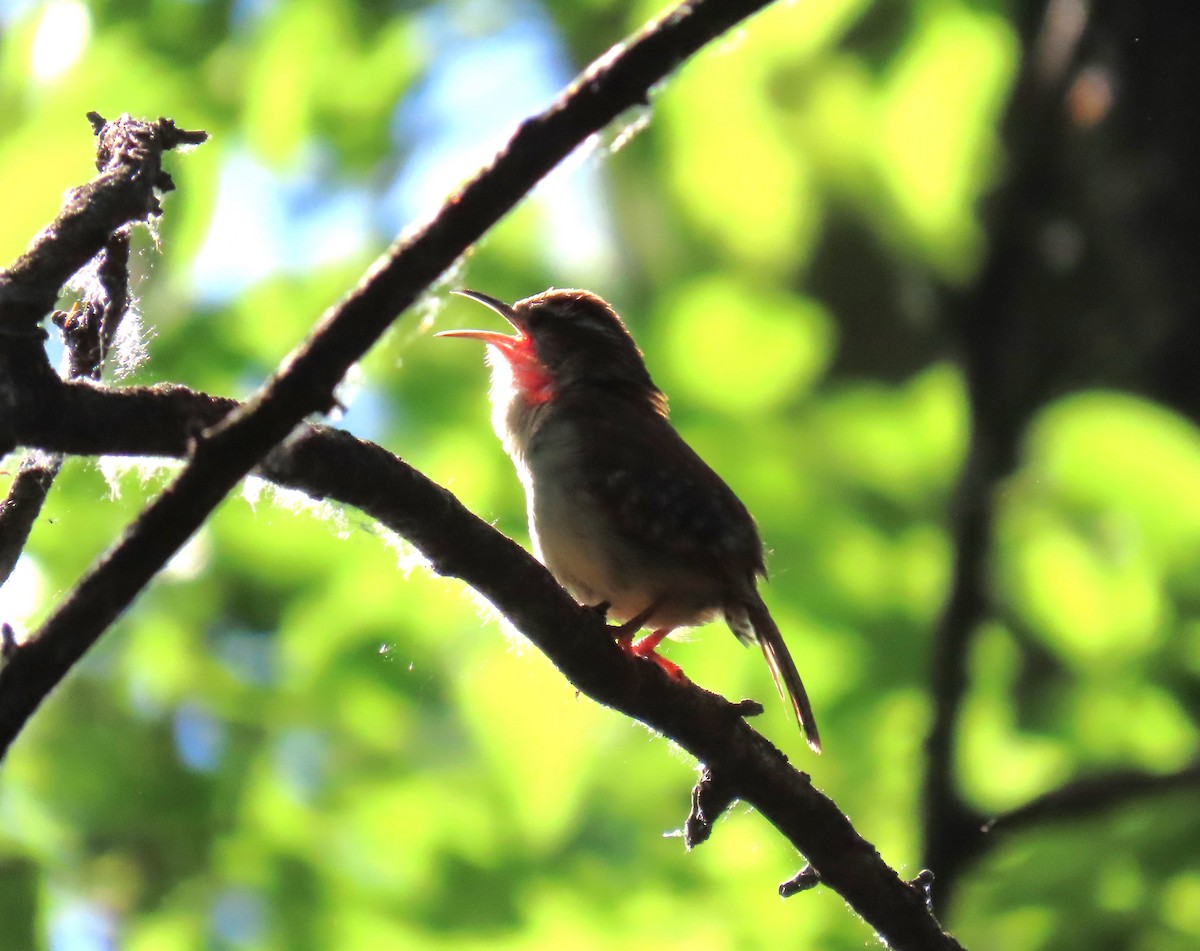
(305, 381)
(327, 463)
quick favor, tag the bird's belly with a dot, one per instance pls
(578, 543)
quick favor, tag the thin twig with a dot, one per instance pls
(20, 508)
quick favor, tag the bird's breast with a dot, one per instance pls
(576, 535)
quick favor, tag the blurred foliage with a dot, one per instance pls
(300, 739)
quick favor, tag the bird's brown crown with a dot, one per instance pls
(579, 338)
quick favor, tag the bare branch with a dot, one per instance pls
(1092, 795)
(88, 332)
(129, 157)
(1007, 380)
(90, 328)
(328, 463)
(21, 507)
(305, 382)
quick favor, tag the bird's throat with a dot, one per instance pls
(517, 369)
(521, 394)
(533, 383)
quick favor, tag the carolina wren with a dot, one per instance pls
(622, 511)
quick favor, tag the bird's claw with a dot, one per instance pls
(646, 649)
(647, 646)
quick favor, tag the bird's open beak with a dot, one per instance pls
(504, 341)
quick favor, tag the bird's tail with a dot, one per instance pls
(783, 668)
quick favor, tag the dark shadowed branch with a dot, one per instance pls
(1030, 330)
(221, 455)
(327, 463)
(20, 508)
(88, 331)
(1092, 796)
(221, 442)
(1007, 379)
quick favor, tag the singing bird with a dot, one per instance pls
(621, 510)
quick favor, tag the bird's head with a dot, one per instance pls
(563, 339)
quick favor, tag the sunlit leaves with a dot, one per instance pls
(938, 107)
(1151, 480)
(296, 740)
(313, 73)
(739, 347)
(1000, 767)
(904, 443)
(733, 168)
(1099, 532)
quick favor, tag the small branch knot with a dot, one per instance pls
(80, 328)
(710, 798)
(140, 144)
(923, 885)
(808, 877)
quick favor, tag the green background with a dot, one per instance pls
(300, 739)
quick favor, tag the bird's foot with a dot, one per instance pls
(646, 649)
(648, 644)
(674, 671)
(624, 632)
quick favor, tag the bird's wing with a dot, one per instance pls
(661, 493)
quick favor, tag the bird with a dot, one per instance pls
(622, 511)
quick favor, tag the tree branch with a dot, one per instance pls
(21, 506)
(129, 158)
(224, 441)
(1008, 373)
(1092, 795)
(88, 331)
(305, 381)
(327, 463)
